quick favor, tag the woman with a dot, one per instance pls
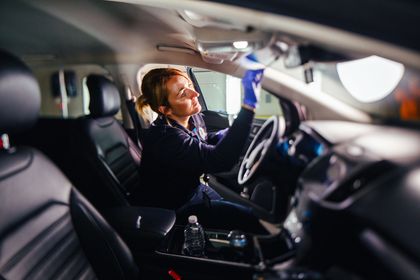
(177, 150)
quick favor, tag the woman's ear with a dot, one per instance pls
(165, 110)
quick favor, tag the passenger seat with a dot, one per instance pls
(109, 160)
(48, 230)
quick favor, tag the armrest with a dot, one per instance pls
(143, 228)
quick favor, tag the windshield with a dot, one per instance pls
(380, 87)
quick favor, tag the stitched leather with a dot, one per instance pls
(113, 158)
(108, 150)
(43, 230)
(99, 239)
(53, 253)
(37, 238)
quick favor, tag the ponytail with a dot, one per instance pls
(142, 104)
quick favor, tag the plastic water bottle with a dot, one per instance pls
(194, 241)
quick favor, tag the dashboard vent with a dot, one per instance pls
(358, 181)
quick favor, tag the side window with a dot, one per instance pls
(63, 91)
(223, 93)
(213, 87)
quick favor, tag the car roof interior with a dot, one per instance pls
(110, 32)
(124, 35)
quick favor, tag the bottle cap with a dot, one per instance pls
(192, 219)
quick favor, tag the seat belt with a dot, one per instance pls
(131, 107)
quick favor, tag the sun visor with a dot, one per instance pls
(217, 45)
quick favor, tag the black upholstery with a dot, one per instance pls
(145, 233)
(47, 229)
(104, 97)
(15, 82)
(111, 157)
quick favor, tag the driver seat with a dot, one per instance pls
(48, 230)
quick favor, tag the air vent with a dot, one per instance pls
(358, 181)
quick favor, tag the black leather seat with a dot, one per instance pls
(111, 158)
(47, 229)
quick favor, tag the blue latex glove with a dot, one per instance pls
(251, 82)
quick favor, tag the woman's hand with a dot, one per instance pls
(251, 82)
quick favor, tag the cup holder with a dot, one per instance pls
(218, 246)
(256, 251)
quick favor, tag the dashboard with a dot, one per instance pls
(357, 199)
(355, 203)
(302, 147)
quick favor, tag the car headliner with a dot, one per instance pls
(120, 32)
(394, 21)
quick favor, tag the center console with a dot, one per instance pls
(157, 244)
(224, 260)
(217, 247)
(142, 228)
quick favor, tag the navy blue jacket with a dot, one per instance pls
(174, 158)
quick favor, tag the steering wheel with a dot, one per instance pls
(264, 140)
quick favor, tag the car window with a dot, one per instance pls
(63, 91)
(380, 87)
(223, 93)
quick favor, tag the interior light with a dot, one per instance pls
(193, 15)
(370, 79)
(240, 45)
(282, 45)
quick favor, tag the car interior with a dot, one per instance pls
(330, 171)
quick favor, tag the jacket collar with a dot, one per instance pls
(196, 123)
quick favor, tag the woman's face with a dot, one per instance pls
(182, 98)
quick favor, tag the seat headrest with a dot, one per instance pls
(20, 98)
(104, 97)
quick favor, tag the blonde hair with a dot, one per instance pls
(154, 90)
